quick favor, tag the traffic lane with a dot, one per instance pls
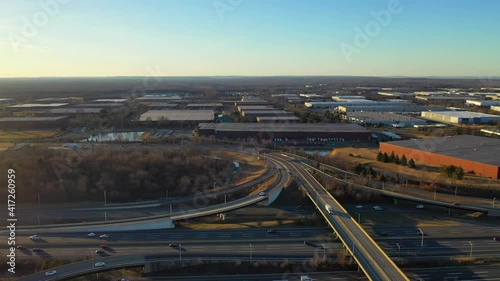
(482, 272)
(280, 250)
(437, 232)
(411, 247)
(295, 276)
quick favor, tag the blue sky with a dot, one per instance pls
(249, 37)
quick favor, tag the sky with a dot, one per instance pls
(47, 38)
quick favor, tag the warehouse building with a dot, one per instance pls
(109, 105)
(278, 119)
(6, 101)
(53, 100)
(343, 98)
(396, 94)
(252, 102)
(27, 123)
(34, 106)
(480, 155)
(290, 131)
(367, 103)
(254, 107)
(251, 114)
(384, 118)
(198, 106)
(110, 100)
(401, 108)
(495, 108)
(177, 116)
(69, 111)
(161, 105)
(483, 102)
(460, 117)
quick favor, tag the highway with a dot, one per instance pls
(371, 258)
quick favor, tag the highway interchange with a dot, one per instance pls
(288, 243)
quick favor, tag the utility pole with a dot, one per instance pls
(180, 251)
(225, 198)
(38, 200)
(250, 252)
(494, 201)
(399, 249)
(105, 201)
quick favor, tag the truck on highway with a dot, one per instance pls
(329, 208)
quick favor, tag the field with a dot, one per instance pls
(26, 134)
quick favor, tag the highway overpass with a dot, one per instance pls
(370, 257)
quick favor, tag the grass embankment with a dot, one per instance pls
(18, 135)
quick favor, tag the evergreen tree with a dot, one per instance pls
(380, 156)
(403, 160)
(411, 163)
(385, 157)
(396, 160)
(392, 157)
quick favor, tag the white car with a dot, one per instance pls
(359, 207)
(100, 263)
(35, 237)
(52, 272)
(262, 193)
(420, 206)
(104, 236)
(378, 208)
(91, 234)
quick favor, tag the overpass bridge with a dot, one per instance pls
(370, 257)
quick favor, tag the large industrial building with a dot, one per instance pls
(460, 117)
(69, 111)
(6, 100)
(384, 118)
(483, 102)
(278, 119)
(177, 116)
(478, 154)
(251, 114)
(24, 123)
(401, 108)
(291, 131)
(34, 106)
(495, 108)
(197, 106)
(242, 108)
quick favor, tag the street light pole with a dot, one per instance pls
(39, 201)
(180, 251)
(225, 198)
(250, 252)
(324, 251)
(422, 242)
(470, 253)
(105, 201)
(359, 217)
(93, 261)
(494, 201)
(399, 249)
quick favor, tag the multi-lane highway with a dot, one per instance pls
(371, 258)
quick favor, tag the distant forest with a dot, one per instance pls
(126, 175)
(209, 87)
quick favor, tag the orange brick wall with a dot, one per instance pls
(435, 159)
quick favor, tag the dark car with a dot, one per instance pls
(99, 252)
(104, 246)
(456, 204)
(496, 238)
(272, 231)
(20, 247)
(37, 250)
(173, 245)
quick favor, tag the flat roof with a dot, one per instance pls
(74, 110)
(52, 99)
(204, 104)
(463, 114)
(273, 111)
(103, 104)
(30, 119)
(264, 118)
(178, 115)
(28, 105)
(163, 104)
(381, 115)
(473, 148)
(288, 127)
(255, 107)
(110, 100)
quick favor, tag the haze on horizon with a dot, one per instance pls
(69, 38)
